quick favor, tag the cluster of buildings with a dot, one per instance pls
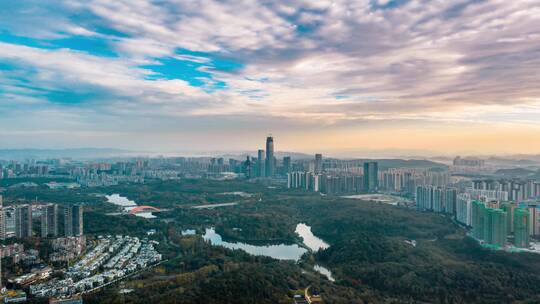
(470, 165)
(437, 199)
(137, 170)
(17, 221)
(111, 259)
(67, 249)
(366, 181)
(265, 164)
(28, 169)
(517, 189)
(468, 162)
(405, 180)
(495, 220)
(493, 223)
(350, 177)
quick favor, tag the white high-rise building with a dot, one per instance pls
(463, 209)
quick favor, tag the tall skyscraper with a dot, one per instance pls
(247, 167)
(371, 176)
(23, 221)
(261, 163)
(49, 220)
(73, 220)
(318, 163)
(270, 162)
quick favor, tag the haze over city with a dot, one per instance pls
(404, 77)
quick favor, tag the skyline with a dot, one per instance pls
(321, 76)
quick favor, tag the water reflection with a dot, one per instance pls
(280, 252)
(324, 271)
(310, 240)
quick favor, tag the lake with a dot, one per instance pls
(309, 239)
(280, 251)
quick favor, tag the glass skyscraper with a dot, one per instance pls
(270, 162)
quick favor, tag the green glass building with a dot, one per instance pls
(521, 228)
(509, 209)
(489, 224)
(499, 230)
(478, 215)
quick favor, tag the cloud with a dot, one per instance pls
(336, 63)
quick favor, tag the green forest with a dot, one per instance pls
(370, 254)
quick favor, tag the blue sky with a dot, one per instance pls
(320, 75)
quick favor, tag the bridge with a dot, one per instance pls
(139, 209)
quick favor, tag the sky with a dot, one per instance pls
(423, 77)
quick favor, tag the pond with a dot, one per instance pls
(280, 252)
(324, 271)
(310, 240)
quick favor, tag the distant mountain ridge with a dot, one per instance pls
(515, 172)
(17, 154)
(386, 163)
(94, 153)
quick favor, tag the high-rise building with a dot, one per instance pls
(261, 163)
(286, 165)
(438, 199)
(23, 221)
(478, 216)
(499, 231)
(371, 176)
(318, 163)
(521, 228)
(248, 167)
(464, 209)
(304, 180)
(489, 224)
(450, 201)
(2, 225)
(534, 219)
(509, 208)
(9, 220)
(49, 220)
(424, 197)
(73, 220)
(270, 161)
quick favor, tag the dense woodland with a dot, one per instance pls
(368, 255)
